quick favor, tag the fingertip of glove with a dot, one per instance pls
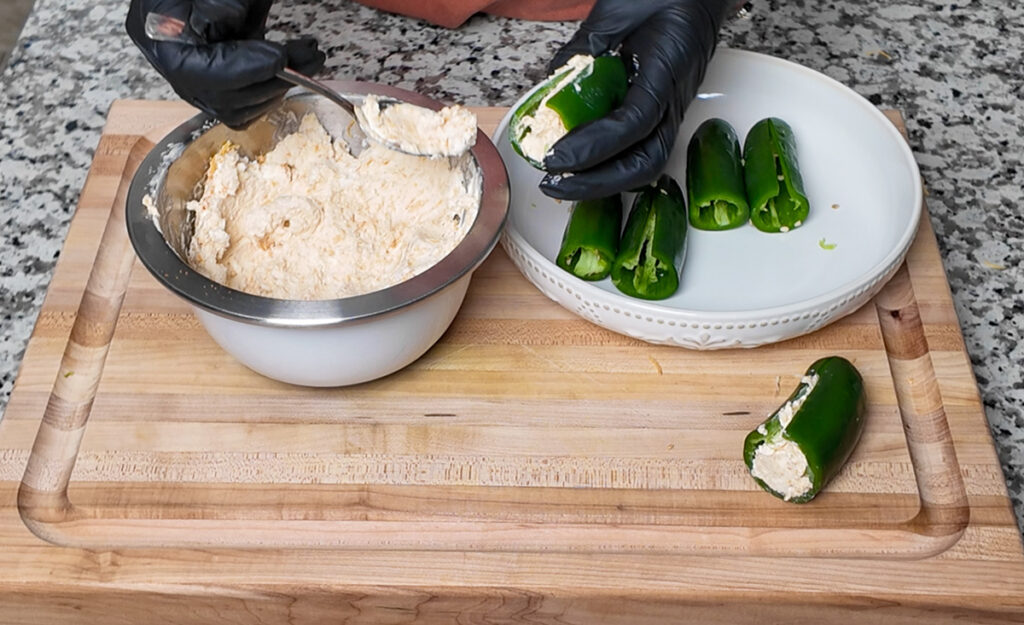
(304, 40)
(241, 119)
(557, 162)
(561, 58)
(304, 55)
(569, 187)
(581, 149)
(553, 185)
(265, 50)
(628, 173)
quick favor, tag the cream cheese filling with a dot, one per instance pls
(308, 220)
(789, 409)
(418, 130)
(544, 128)
(778, 461)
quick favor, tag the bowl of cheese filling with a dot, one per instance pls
(311, 254)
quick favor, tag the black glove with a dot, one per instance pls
(666, 45)
(228, 69)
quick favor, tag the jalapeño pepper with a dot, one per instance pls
(714, 178)
(802, 445)
(591, 238)
(584, 89)
(652, 248)
(775, 188)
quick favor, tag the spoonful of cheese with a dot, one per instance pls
(413, 129)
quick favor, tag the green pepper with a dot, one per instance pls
(591, 238)
(802, 445)
(775, 188)
(583, 90)
(714, 178)
(652, 248)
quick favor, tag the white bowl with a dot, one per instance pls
(343, 354)
(313, 343)
(743, 287)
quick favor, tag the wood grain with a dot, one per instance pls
(596, 377)
(519, 472)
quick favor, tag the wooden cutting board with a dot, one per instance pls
(531, 467)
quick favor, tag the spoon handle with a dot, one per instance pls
(294, 77)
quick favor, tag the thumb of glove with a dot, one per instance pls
(304, 55)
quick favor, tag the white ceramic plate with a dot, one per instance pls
(743, 287)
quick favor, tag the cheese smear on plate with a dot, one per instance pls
(309, 221)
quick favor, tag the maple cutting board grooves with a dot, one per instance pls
(531, 467)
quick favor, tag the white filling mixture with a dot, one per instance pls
(310, 221)
(778, 462)
(541, 130)
(417, 130)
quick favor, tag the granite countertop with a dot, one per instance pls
(953, 69)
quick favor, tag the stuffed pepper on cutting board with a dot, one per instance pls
(802, 445)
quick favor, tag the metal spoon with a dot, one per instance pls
(166, 28)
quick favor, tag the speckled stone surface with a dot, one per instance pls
(953, 68)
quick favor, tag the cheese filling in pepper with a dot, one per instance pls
(778, 462)
(795, 452)
(545, 127)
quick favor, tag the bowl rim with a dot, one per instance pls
(176, 275)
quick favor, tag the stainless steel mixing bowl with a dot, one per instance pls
(323, 342)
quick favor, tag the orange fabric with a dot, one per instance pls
(452, 13)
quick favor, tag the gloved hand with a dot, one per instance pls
(228, 70)
(666, 45)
